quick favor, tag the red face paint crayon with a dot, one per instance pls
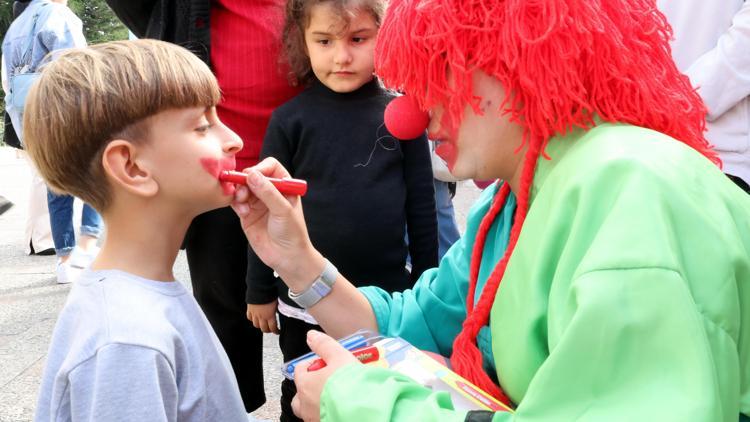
(365, 355)
(285, 186)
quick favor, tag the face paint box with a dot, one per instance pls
(425, 368)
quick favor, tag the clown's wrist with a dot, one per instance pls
(319, 288)
(304, 269)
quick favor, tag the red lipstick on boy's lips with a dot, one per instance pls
(214, 166)
(286, 186)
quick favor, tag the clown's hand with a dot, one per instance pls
(306, 404)
(275, 227)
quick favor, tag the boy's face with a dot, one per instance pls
(341, 56)
(187, 150)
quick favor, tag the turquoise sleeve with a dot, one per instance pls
(430, 315)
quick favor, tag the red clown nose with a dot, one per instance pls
(404, 119)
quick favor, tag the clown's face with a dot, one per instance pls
(484, 145)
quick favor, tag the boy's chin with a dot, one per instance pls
(216, 203)
(225, 201)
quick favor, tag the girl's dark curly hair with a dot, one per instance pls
(297, 19)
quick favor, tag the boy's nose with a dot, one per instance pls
(232, 142)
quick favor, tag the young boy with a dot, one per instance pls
(131, 128)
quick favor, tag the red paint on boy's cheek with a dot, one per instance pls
(215, 166)
(211, 165)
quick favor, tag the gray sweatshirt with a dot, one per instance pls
(131, 349)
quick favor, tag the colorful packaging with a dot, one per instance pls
(399, 355)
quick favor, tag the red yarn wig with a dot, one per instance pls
(562, 63)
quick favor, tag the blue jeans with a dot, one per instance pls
(446, 218)
(61, 222)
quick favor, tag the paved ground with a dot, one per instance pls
(30, 300)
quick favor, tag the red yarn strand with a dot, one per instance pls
(466, 359)
(476, 254)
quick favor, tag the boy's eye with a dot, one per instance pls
(359, 39)
(323, 42)
(203, 128)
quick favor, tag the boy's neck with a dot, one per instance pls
(142, 242)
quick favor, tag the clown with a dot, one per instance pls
(605, 277)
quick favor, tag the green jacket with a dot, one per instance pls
(627, 296)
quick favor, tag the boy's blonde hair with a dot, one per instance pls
(87, 97)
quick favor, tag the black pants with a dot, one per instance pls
(293, 344)
(739, 182)
(217, 257)
(9, 135)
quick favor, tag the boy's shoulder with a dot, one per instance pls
(114, 307)
(123, 339)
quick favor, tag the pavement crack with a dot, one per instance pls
(23, 371)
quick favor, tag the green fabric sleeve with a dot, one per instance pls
(636, 333)
(389, 396)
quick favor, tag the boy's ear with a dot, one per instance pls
(122, 166)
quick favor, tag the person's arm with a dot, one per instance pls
(421, 217)
(652, 358)
(722, 74)
(62, 30)
(262, 285)
(4, 74)
(262, 292)
(123, 383)
(429, 315)
(261, 295)
(135, 14)
(275, 228)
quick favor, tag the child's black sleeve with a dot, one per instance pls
(262, 285)
(421, 216)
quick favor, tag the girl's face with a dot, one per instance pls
(341, 55)
(485, 145)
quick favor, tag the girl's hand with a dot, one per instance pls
(306, 404)
(275, 227)
(263, 316)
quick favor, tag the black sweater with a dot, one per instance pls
(364, 189)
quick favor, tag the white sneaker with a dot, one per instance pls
(63, 273)
(80, 259)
